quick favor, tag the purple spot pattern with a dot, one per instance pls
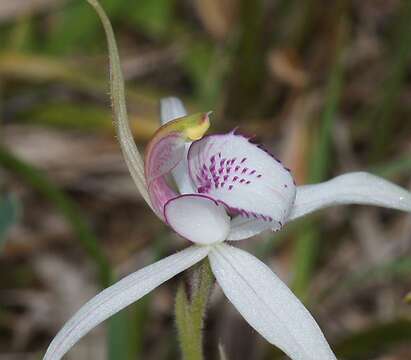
(225, 174)
(222, 173)
(249, 214)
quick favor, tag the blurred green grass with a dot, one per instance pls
(9, 215)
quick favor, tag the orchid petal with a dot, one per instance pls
(267, 304)
(131, 154)
(172, 108)
(118, 296)
(352, 188)
(248, 180)
(165, 151)
(198, 218)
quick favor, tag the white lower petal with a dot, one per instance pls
(118, 296)
(268, 305)
(351, 188)
(198, 218)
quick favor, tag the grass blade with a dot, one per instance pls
(307, 244)
(39, 181)
(9, 214)
(374, 340)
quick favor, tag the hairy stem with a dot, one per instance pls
(189, 314)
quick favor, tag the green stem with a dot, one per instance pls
(190, 314)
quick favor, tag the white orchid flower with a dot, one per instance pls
(227, 188)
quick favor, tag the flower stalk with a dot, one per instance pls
(190, 314)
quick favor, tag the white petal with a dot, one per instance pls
(243, 228)
(181, 175)
(118, 296)
(248, 180)
(198, 218)
(172, 108)
(267, 304)
(352, 188)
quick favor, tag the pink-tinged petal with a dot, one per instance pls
(165, 151)
(160, 192)
(198, 218)
(242, 175)
(118, 296)
(267, 304)
(352, 188)
(172, 108)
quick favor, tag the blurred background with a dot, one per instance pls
(325, 85)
